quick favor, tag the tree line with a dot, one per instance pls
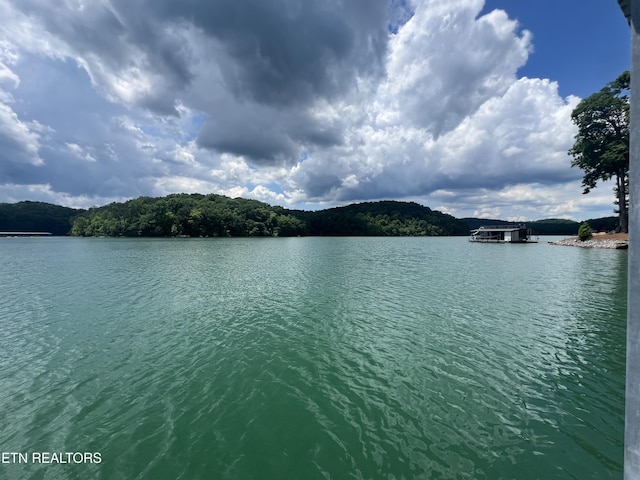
(36, 217)
(197, 215)
(551, 226)
(192, 215)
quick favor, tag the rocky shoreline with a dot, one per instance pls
(594, 243)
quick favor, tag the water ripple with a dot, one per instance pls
(313, 358)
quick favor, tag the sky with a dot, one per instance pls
(460, 105)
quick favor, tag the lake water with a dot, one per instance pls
(305, 358)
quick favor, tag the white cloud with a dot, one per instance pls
(450, 114)
(301, 108)
(260, 193)
(445, 62)
(19, 140)
(8, 80)
(80, 153)
(45, 193)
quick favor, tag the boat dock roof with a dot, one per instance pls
(506, 228)
(25, 234)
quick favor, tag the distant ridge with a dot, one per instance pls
(386, 217)
(217, 215)
(36, 217)
(550, 226)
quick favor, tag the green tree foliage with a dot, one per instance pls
(601, 146)
(192, 215)
(385, 218)
(584, 232)
(36, 217)
(215, 215)
(553, 226)
(605, 224)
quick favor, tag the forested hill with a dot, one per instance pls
(212, 215)
(551, 226)
(36, 217)
(382, 218)
(192, 215)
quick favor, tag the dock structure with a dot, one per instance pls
(631, 10)
(25, 234)
(501, 234)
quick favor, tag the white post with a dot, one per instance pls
(632, 395)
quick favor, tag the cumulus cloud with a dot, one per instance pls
(445, 62)
(19, 139)
(451, 117)
(296, 103)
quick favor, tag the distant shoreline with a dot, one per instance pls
(617, 241)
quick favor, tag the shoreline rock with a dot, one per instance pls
(611, 244)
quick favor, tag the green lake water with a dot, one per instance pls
(311, 358)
